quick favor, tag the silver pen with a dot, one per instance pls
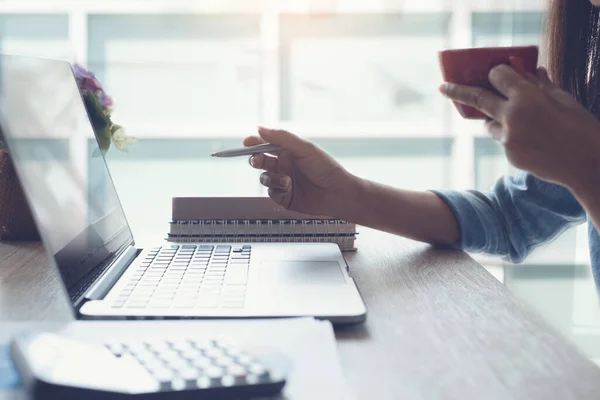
(246, 151)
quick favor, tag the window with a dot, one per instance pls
(192, 77)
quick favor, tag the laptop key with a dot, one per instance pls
(231, 292)
(208, 304)
(236, 275)
(223, 249)
(240, 261)
(136, 305)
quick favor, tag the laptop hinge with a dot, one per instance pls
(99, 289)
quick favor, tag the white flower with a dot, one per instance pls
(121, 140)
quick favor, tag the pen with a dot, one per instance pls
(245, 151)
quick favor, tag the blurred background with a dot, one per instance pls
(360, 78)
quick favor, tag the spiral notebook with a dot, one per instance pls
(252, 220)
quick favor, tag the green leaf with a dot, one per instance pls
(100, 121)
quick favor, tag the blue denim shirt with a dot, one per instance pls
(520, 213)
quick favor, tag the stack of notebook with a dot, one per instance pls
(251, 220)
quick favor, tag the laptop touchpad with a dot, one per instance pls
(301, 272)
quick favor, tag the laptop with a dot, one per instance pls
(85, 231)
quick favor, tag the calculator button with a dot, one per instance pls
(228, 380)
(134, 347)
(237, 371)
(245, 360)
(163, 375)
(214, 372)
(202, 362)
(224, 361)
(116, 348)
(202, 345)
(214, 353)
(204, 382)
(177, 343)
(144, 357)
(177, 364)
(168, 355)
(178, 384)
(189, 374)
(157, 347)
(258, 370)
(154, 365)
(191, 354)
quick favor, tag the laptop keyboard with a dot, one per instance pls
(189, 276)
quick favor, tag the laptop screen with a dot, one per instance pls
(61, 168)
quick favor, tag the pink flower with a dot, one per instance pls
(90, 84)
(104, 99)
(87, 81)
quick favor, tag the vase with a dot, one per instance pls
(16, 220)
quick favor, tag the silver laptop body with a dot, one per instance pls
(85, 231)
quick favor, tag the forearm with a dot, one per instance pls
(421, 216)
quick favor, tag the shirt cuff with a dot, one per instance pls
(465, 213)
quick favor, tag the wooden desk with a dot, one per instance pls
(439, 326)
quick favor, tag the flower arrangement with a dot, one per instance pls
(99, 107)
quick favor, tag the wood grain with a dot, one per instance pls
(439, 326)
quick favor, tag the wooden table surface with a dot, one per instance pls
(439, 326)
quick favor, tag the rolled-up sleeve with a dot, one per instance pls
(520, 213)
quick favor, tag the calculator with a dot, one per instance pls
(55, 366)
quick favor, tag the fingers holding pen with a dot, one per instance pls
(264, 161)
(275, 181)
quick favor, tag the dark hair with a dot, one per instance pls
(573, 33)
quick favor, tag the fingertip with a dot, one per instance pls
(285, 181)
(502, 69)
(443, 88)
(262, 129)
(256, 160)
(253, 140)
(264, 133)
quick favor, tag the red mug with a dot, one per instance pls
(472, 67)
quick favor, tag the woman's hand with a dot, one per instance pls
(302, 177)
(543, 129)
